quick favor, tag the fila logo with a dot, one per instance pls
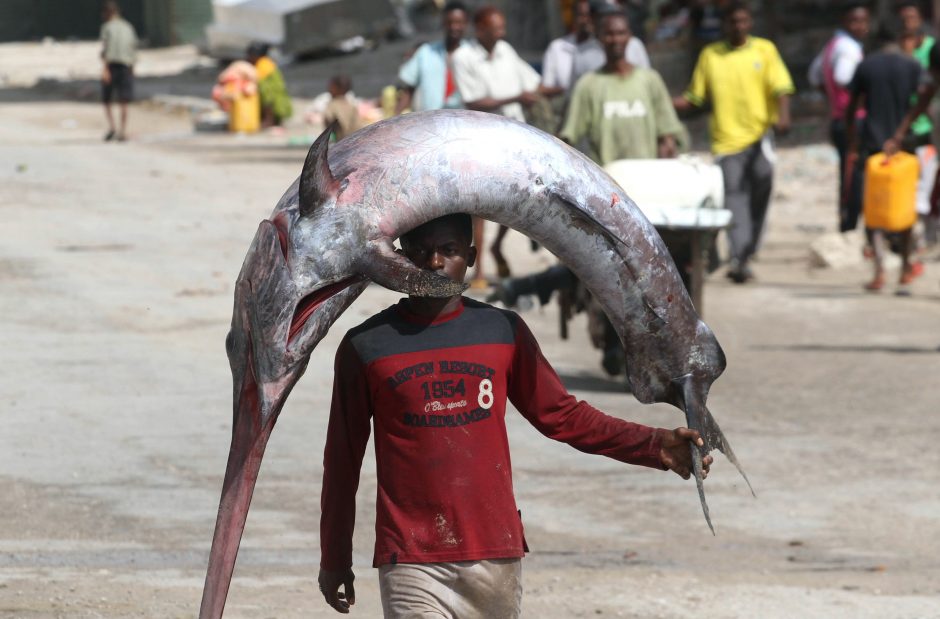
(624, 109)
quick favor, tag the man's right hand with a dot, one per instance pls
(528, 99)
(667, 147)
(106, 75)
(891, 146)
(330, 583)
(675, 455)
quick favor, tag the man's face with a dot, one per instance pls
(455, 24)
(440, 246)
(911, 20)
(738, 25)
(492, 30)
(583, 26)
(614, 36)
(857, 23)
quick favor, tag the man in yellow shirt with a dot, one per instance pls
(749, 88)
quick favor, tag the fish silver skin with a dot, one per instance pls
(333, 231)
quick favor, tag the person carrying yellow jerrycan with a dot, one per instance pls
(236, 92)
(890, 206)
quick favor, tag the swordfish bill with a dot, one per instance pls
(333, 232)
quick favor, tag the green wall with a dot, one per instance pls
(158, 22)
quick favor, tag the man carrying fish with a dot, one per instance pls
(432, 376)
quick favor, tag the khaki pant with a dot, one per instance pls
(489, 589)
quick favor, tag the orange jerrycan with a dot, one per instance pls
(891, 191)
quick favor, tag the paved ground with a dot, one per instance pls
(116, 272)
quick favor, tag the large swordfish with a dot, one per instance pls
(333, 231)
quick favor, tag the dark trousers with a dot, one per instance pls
(748, 179)
(850, 198)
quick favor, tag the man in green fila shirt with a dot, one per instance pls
(623, 111)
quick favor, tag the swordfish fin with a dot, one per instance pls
(383, 265)
(722, 445)
(698, 417)
(317, 183)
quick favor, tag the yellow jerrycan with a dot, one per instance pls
(891, 191)
(245, 115)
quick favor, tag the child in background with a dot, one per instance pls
(340, 109)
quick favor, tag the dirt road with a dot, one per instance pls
(116, 272)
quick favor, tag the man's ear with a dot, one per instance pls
(471, 256)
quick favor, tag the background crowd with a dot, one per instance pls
(595, 88)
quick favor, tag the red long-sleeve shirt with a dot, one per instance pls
(436, 393)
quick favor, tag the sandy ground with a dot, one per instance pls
(116, 273)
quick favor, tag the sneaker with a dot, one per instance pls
(109, 135)
(740, 274)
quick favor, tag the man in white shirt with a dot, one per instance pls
(491, 77)
(832, 71)
(558, 61)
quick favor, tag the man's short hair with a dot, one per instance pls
(886, 36)
(454, 5)
(734, 7)
(484, 13)
(463, 222)
(258, 48)
(342, 82)
(111, 6)
(608, 10)
(853, 5)
(908, 4)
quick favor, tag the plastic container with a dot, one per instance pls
(681, 192)
(245, 115)
(890, 201)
